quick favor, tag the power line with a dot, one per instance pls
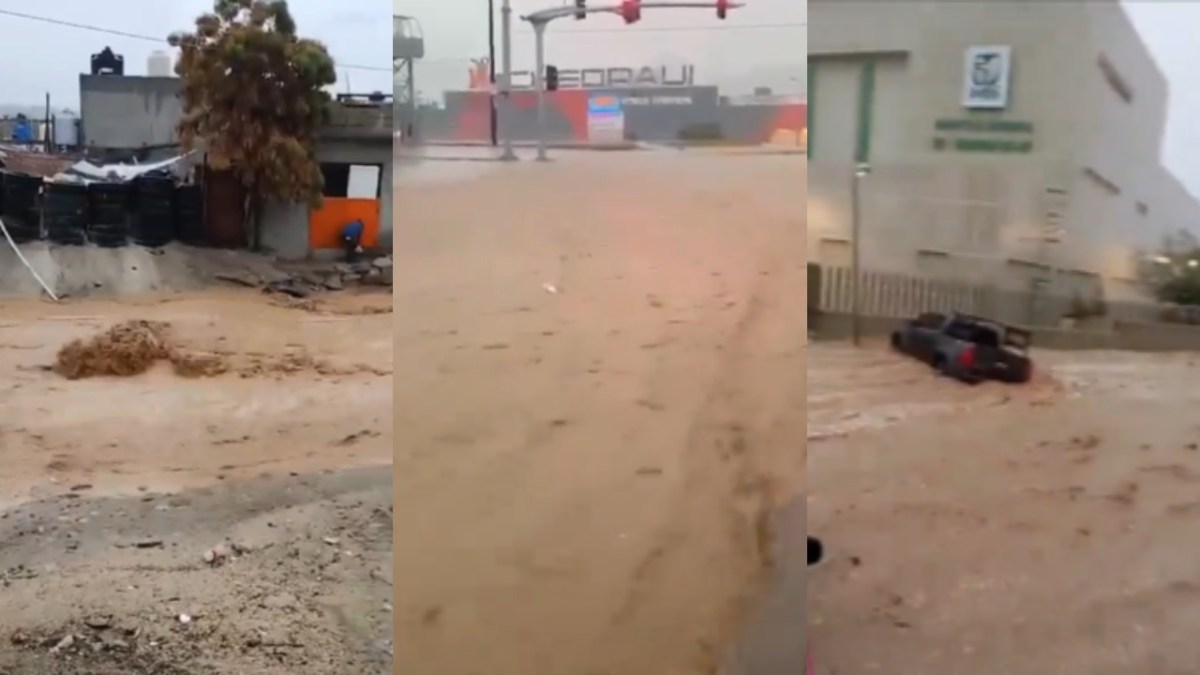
(136, 36)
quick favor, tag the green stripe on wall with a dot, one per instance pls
(812, 91)
(866, 105)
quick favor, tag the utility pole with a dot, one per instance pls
(506, 78)
(492, 68)
(860, 171)
(539, 75)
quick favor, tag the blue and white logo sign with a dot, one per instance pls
(986, 77)
(604, 105)
(606, 119)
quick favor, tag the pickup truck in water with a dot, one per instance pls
(968, 348)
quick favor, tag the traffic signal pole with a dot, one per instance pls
(541, 18)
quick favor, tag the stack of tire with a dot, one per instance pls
(153, 212)
(109, 207)
(65, 213)
(22, 206)
(189, 215)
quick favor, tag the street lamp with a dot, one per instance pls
(861, 171)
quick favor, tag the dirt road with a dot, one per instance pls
(1000, 530)
(600, 381)
(238, 523)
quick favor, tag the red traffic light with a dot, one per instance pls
(722, 8)
(631, 10)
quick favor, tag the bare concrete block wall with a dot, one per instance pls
(129, 112)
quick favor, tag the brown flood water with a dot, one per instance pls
(158, 432)
(993, 529)
(601, 384)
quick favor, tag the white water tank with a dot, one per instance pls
(159, 65)
(66, 129)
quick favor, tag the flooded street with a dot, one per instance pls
(993, 529)
(599, 372)
(154, 497)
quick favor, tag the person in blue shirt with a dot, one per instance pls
(352, 234)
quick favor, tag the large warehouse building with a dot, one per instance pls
(1007, 142)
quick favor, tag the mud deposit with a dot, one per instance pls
(152, 523)
(276, 575)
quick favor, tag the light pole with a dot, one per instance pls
(861, 170)
(506, 77)
(492, 68)
(539, 35)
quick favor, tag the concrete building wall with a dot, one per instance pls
(124, 112)
(939, 221)
(1092, 174)
(919, 78)
(833, 100)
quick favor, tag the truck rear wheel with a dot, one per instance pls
(1020, 371)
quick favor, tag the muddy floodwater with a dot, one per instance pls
(998, 529)
(599, 380)
(237, 520)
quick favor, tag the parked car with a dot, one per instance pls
(968, 348)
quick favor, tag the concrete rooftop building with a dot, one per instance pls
(1009, 142)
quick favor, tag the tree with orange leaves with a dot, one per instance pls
(254, 99)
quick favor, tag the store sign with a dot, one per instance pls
(985, 125)
(986, 77)
(606, 120)
(657, 100)
(1002, 136)
(605, 78)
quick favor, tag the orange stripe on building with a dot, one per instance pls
(325, 224)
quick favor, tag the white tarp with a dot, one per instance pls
(87, 172)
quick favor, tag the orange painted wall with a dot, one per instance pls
(325, 224)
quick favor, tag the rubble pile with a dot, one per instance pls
(334, 277)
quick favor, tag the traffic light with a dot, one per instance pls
(580, 9)
(551, 78)
(631, 10)
(722, 8)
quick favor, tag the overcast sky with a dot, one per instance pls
(1168, 28)
(41, 56)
